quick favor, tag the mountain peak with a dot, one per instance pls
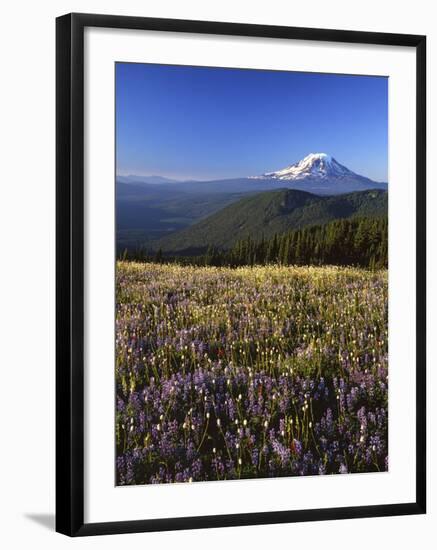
(318, 156)
(313, 166)
(322, 174)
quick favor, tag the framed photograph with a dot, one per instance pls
(240, 274)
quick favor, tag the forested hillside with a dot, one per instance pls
(271, 213)
(356, 241)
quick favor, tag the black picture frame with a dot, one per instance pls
(70, 273)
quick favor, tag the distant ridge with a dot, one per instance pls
(317, 173)
(272, 212)
(145, 179)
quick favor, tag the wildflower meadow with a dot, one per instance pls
(249, 372)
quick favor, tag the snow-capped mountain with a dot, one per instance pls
(320, 172)
(317, 173)
(318, 165)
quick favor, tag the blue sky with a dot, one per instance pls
(210, 123)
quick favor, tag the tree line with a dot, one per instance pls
(358, 241)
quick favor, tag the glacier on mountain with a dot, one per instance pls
(314, 165)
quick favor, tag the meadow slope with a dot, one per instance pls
(251, 372)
